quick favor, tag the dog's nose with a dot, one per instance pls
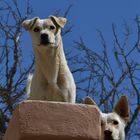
(44, 39)
(107, 133)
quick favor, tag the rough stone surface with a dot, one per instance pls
(42, 120)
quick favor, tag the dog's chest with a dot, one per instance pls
(47, 63)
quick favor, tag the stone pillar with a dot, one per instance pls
(43, 120)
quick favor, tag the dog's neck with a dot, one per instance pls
(49, 61)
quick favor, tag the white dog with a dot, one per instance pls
(52, 79)
(113, 124)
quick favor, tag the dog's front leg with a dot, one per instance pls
(54, 92)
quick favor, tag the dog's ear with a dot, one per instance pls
(122, 108)
(60, 21)
(28, 24)
(89, 101)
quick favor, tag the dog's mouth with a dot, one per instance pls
(46, 44)
(109, 138)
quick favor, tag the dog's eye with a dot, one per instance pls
(36, 29)
(52, 27)
(115, 122)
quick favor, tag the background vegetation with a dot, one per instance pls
(103, 74)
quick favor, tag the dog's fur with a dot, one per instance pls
(52, 79)
(113, 124)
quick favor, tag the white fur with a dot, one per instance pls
(52, 79)
(29, 81)
(107, 119)
(113, 124)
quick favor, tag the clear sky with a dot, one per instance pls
(87, 16)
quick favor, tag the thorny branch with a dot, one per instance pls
(96, 75)
(104, 80)
(13, 73)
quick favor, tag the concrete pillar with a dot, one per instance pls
(43, 120)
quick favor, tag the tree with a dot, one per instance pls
(105, 75)
(13, 74)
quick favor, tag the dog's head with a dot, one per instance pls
(113, 124)
(45, 32)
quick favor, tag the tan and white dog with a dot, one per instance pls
(52, 79)
(113, 124)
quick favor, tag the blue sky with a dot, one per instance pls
(87, 16)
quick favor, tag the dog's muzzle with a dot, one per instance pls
(108, 135)
(44, 39)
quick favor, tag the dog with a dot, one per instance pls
(52, 79)
(113, 124)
